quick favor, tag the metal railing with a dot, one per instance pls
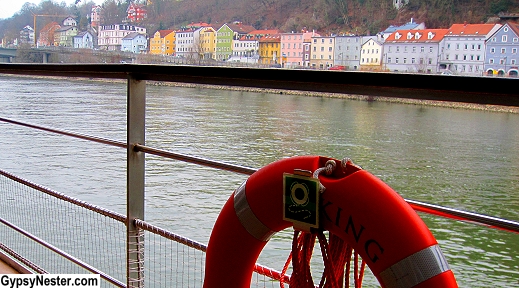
(475, 90)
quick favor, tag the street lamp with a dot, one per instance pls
(506, 58)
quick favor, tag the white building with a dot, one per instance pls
(110, 36)
(463, 50)
(27, 35)
(135, 43)
(185, 43)
(84, 40)
(413, 50)
(245, 50)
(69, 21)
(371, 53)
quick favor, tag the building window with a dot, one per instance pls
(389, 60)
(503, 50)
(504, 38)
(491, 61)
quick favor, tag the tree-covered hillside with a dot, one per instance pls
(325, 16)
(328, 16)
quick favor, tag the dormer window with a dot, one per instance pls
(397, 35)
(409, 35)
(417, 35)
(430, 35)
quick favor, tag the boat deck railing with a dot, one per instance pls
(148, 249)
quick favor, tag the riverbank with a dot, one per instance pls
(419, 102)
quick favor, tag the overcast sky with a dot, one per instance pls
(9, 7)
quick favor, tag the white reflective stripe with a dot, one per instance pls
(415, 269)
(250, 222)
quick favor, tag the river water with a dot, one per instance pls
(464, 159)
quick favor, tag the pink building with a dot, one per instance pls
(95, 16)
(292, 47)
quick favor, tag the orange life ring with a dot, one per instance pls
(356, 206)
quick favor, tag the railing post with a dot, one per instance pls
(136, 93)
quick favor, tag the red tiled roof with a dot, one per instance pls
(423, 35)
(50, 26)
(514, 26)
(270, 38)
(164, 33)
(240, 28)
(470, 29)
(197, 25)
(264, 32)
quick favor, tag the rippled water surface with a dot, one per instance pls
(458, 158)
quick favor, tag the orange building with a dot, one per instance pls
(47, 34)
(270, 49)
(163, 43)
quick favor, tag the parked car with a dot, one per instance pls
(337, 68)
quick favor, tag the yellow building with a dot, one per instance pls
(321, 53)
(163, 43)
(270, 49)
(208, 43)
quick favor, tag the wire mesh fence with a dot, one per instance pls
(55, 220)
(38, 222)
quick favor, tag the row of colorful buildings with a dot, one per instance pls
(465, 49)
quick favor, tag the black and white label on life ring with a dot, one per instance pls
(301, 201)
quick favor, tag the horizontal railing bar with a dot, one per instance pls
(21, 259)
(493, 222)
(258, 268)
(468, 89)
(169, 235)
(110, 214)
(195, 160)
(67, 133)
(63, 253)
